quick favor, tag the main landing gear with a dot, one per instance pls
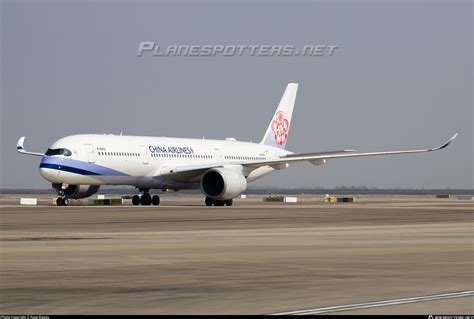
(216, 202)
(146, 199)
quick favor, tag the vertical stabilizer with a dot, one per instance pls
(277, 131)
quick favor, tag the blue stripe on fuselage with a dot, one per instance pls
(67, 169)
(78, 167)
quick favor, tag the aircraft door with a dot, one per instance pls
(144, 154)
(218, 155)
(90, 153)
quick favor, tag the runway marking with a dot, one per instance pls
(381, 303)
(48, 238)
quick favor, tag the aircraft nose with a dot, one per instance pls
(48, 172)
(45, 173)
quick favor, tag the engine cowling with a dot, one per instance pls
(223, 183)
(78, 191)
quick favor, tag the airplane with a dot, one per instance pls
(78, 165)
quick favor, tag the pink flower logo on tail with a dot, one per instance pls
(280, 127)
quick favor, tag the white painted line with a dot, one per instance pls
(381, 303)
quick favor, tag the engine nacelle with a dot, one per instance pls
(77, 191)
(223, 183)
(318, 161)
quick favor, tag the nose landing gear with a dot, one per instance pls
(62, 201)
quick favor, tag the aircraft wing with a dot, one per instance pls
(318, 154)
(194, 171)
(315, 157)
(185, 172)
(189, 171)
(21, 149)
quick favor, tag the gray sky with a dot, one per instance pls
(402, 77)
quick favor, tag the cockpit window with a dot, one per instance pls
(58, 151)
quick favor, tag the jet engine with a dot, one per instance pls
(223, 183)
(76, 191)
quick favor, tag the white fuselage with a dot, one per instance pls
(147, 162)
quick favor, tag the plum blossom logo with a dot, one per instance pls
(280, 127)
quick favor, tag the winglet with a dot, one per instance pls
(19, 145)
(445, 144)
(21, 149)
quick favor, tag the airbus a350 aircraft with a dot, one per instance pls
(77, 165)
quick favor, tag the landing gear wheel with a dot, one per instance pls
(155, 200)
(229, 202)
(136, 200)
(59, 201)
(64, 201)
(145, 200)
(209, 201)
(219, 203)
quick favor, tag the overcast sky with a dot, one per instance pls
(402, 77)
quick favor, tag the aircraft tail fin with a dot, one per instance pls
(277, 131)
